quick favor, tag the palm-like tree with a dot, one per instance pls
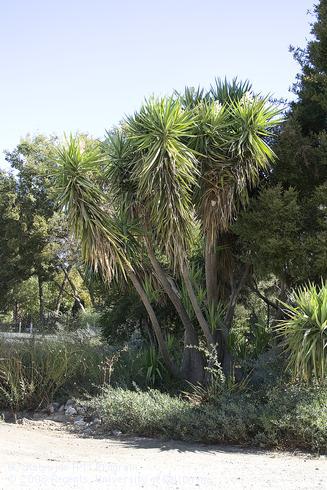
(201, 169)
(304, 333)
(151, 172)
(105, 244)
(232, 130)
(177, 163)
(165, 171)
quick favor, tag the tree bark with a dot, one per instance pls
(211, 271)
(41, 300)
(16, 313)
(155, 324)
(74, 290)
(192, 365)
(196, 307)
(60, 294)
(227, 359)
(234, 296)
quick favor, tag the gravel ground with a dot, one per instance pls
(45, 455)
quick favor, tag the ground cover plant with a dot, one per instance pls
(286, 416)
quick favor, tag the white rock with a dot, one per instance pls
(116, 433)
(80, 423)
(69, 403)
(70, 410)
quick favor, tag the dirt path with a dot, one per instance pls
(44, 456)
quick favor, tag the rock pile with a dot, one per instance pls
(70, 412)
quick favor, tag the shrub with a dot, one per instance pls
(304, 333)
(295, 415)
(285, 417)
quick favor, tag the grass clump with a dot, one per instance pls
(32, 373)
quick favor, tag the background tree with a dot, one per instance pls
(34, 244)
(292, 242)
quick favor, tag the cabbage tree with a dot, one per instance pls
(105, 245)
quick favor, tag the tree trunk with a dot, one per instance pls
(196, 307)
(211, 271)
(60, 295)
(192, 365)
(192, 368)
(227, 360)
(74, 290)
(234, 296)
(155, 324)
(16, 313)
(41, 300)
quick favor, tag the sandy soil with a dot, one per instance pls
(44, 455)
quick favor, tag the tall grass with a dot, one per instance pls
(33, 373)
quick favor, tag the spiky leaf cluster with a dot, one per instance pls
(304, 332)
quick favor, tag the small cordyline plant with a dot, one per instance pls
(304, 333)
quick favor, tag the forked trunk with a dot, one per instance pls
(196, 307)
(155, 324)
(192, 364)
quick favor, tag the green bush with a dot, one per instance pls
(304, 333)
(285, 417)
(295, 415)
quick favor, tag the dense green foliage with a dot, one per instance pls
(292, 242)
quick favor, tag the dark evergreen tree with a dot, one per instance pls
(286, 229)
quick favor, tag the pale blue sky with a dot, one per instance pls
(70, 65)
